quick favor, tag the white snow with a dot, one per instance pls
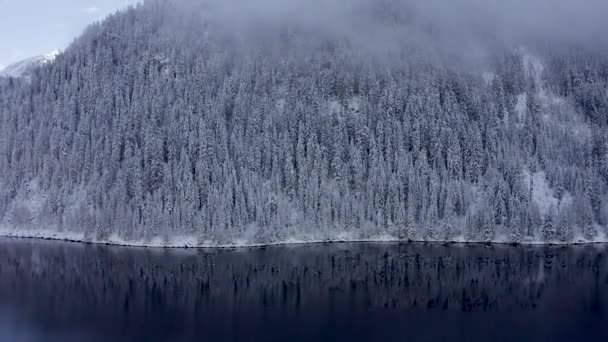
(192, 242)
(281, 103)
(556, 110)
(46, 234)
(336, 109)
(354, 105)
(543, 195)
(521, 107)
(25, 67)
(488, 77)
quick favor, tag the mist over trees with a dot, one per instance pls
(269, 121)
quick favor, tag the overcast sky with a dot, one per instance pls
(34, 27)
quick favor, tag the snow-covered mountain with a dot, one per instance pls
(183, 122)
(26, 66)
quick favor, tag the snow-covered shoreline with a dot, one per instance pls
(185, 242)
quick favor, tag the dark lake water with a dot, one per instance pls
(53, 291)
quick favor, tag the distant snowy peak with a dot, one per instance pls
(25, 67)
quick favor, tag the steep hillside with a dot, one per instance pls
(208, 123)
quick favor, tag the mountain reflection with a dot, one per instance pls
(316, 292)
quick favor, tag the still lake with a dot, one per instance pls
(57, 291)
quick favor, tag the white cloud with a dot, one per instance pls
(17, 54)
(90, 10)
(2, 67)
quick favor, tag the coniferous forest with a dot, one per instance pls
(222, 123)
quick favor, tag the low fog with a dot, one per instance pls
(468, 28)
(510, 20)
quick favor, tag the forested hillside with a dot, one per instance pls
(185, 122)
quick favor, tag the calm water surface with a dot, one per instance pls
(53, 291)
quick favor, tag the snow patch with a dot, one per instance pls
(44, 234)
(25, 67)
(521, 107)
(555, 110)
(27, 206)
(354, 105)
(488, 77)
(281, 103)
(192, 242)
(336, 109)
(543, 195)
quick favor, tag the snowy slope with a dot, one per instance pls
(159, 128)
(26, 66)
